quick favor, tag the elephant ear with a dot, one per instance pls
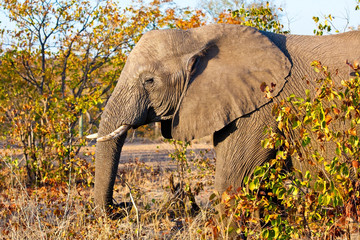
(225, 82)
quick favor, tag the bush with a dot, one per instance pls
(322, 202)
(56, 77)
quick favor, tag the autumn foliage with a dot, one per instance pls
(59, 62)
(59, 67)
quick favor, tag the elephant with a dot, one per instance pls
(206, 81)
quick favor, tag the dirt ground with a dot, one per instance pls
(154, 151)
(142, 150)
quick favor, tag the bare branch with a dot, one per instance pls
(24, 77)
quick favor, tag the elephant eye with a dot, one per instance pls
(149, 81)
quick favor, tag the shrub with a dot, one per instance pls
(322, 202)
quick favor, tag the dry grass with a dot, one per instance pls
(65, 210)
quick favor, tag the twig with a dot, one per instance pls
(136, 210)
(66, 212)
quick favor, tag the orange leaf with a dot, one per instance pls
(352, 131)
(225, 197)
(328, 119)
(355, 164)
(280, 125)
(336, 111)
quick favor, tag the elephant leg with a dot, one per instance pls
(238, 149)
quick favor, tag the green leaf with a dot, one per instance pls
(230, 229)
(277, 232)
(278, 143)
(265, 143)
(345, 171)
(265, 234)
(307, 120)
(328, 199)
(323, 125)
(259, 172)
(212, 196)
(246, 179)
(296, 124)
(272, 234)
(306, 141)
(267, 218)
(253, 185)
(291, 97)
(280, 192)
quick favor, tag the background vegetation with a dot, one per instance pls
(58, 66)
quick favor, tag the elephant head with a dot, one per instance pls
(195, 82)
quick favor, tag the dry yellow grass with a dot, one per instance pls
(65, 210)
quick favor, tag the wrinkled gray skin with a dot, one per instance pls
(207, 81)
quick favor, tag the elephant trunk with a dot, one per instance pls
(106, 166)
(125, 108)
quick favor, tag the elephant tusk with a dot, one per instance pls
(118, 132)
(92, 136)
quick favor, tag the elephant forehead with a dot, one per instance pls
(151, 60)
(162, 43)
(152, 46)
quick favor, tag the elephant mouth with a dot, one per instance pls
(115, 134)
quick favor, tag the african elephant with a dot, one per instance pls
(206, 81)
